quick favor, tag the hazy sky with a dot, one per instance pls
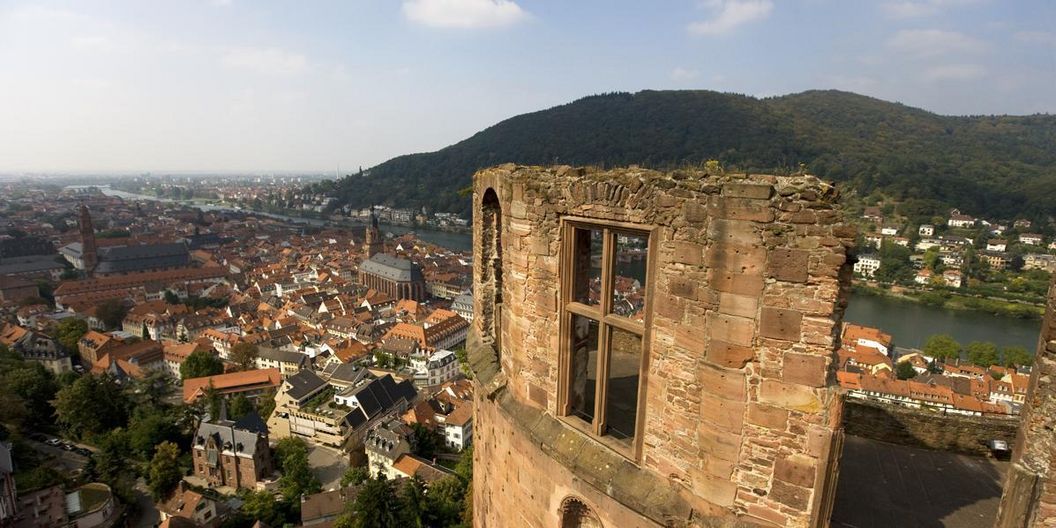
(259, 85)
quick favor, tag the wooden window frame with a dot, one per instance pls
(607, 321)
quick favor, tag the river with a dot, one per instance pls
(909, 323)
(447, 239)
(912, 323)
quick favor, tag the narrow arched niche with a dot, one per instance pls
(491, 267)
(576, 514)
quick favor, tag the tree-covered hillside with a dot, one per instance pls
(1000, 166)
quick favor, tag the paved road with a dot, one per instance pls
(328, 464)
(885, 485)
(147, 516)
(65, 460)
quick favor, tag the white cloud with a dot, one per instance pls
(954, 72)
(465, 14)
(731, 14)
(921, 8)
(1037, 37)
(683, 74)
(268, 61)
(933, 42)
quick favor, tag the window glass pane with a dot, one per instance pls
(621, 405)
(587, 266)
(584, 375)
(629, 291)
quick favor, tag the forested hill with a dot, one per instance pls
(998, 166)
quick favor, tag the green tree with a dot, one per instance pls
(942, 346)
(905, 371)
(70, 331)
(1016, 356)
(297, 477)
(426, 442)
(165, 472)
(111, 312)
(91, 406)
(201, 363)
(239, 406)
(355, 476)
(171, 297)
(376, 506)
(110, 463)
(982, 353)
(34, 386)
(150, 428)
(244, 355)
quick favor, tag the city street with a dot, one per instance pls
(328, 464)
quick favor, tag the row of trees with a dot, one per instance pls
(381, 503)
(980, 353)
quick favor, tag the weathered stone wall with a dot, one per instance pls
(926, 428)
(1029, 498)
(742, 418)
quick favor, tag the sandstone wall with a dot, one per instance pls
(924, 428)
(1029, 498)
(742, 418)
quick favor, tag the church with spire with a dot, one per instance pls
(397, 277)
(373, 243)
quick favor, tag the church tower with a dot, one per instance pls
(88, 250)
(372, 244)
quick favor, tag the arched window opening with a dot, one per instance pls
(491, 267)
(576, 514)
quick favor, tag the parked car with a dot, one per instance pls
(68, 446)
(53, 442)
(82, 451)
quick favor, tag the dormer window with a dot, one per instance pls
(605, 328)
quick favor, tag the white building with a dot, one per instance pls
(867, 265)
(926, 230)
(440, 367)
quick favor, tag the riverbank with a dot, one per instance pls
(955, 301)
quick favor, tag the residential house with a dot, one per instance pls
(858, 337)
(960, 220)
(288, 363)
(189, 505)
(1031, 239)
(926, 230)
(233, 454)
(952, 278)
(251, 383)
(996, 260)
(996, 244)
(866, 265)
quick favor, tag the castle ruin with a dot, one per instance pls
(655, 348)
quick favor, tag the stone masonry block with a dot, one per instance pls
(722, 413)
(721, 383)
(735, 232)
(683, 287)
(789, 264)
(687, 253)
(789, 396)
(740, 259)
(739, 305)
(729, 355)
(731, 329)
(732, 208)
(777, 323)
(792, 496)
(739, 283)
(766, 416)
(805, 369)
(796, 469)
(748, 190)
